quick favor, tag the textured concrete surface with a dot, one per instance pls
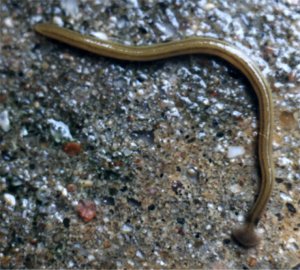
(109, 164)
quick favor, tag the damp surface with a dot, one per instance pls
(111, 164)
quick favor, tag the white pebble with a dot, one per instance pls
(220, 208)
(25, 203)
(139, 254)
(201, 135)
(99, 35)
(209, 6)
(219, 148)
(58, 20)
(173, 113)
(23, 132)
(91, 257)
(71, 264)
(260, 231)
(285, 197)
(4, 121)
(210, 205)
(203, 100)
(292, 2)
(235, 151)
(235, 188)
(219, 106)
(135, 3)
(240, 218)
(70, 7)
(59, 130)
(208, 227)
(292, 244)
(141, 92)
(10, 199)
(164, 28)
(9, 22)
(172, 18)
(35, 19)
(270, 18)
(106, 219)
(236, 113)
(283, 161)
(126, 228)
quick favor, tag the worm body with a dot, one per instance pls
(246, 235)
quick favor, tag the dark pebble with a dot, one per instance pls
(177, 186)
(151, 207)
(66, 222)
(134, 202)
(180, 221)
(108, 200)
(226, 241)
(291, 208)
(113, 191)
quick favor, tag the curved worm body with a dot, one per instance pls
(246, 235)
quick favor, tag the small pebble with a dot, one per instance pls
(283, 161)
(209, 6)
(235, 151)
(72, 148)
(59, 130)
(208, 227)
(58, 20)
(71, 188)
(164, 28)
(235, 188)
(86, 183)
(240, 218)
(70, 7)
(252, 262)
(236, 114)
(285, 197)
(126, 228)
(3, 98)
(291, 208)
(23, 132)
(292, 2)
(106, 244)
(287, 120)
(9, 22)
(10, 199)
(91, 257)
(86, 210)
(4, 121)
(139, 254)
(192, 172)
(99, 35)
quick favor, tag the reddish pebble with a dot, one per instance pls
(214, 94)
(118, 163)
(180, 231)
(33, 241)
(130, 118)
(71, 188)
(287, 120)
(72, 148)
(86, 210)
(106, 244)
(3, 98)
(252, 262)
